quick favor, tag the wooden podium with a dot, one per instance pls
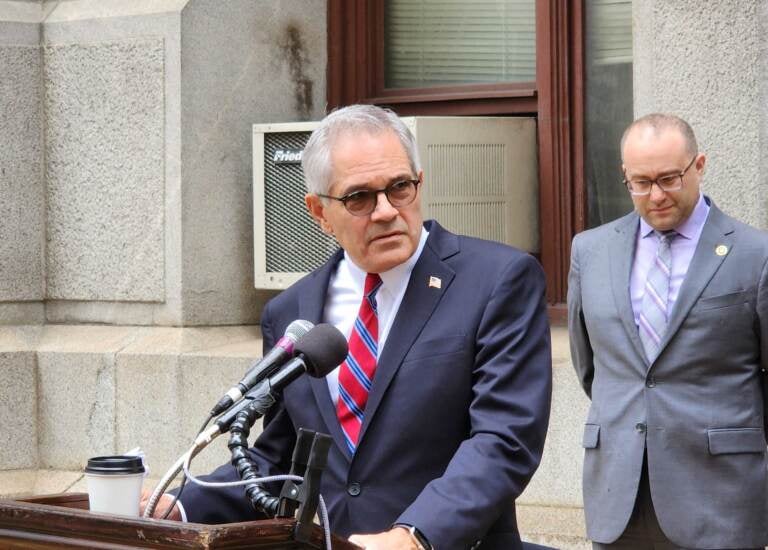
(63, 521)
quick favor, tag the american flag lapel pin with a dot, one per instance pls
(435, 282)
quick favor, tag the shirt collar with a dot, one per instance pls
(690, 227)
(395, 277)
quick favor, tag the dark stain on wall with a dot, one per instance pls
(295, 53)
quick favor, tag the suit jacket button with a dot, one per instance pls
(651, 382)
(354, 489)
(640, 427)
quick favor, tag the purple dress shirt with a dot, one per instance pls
(682, 248)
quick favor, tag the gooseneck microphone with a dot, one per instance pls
(318, 352)
(279, 354)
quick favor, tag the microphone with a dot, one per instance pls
(318, 352)
(279, 354)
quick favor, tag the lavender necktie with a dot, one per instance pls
(654, 313)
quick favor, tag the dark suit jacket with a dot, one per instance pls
(456, 419)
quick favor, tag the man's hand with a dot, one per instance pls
(162, 506)
(397, 538)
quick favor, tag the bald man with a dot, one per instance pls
(668, 319)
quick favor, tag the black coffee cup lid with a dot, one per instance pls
(117, 464)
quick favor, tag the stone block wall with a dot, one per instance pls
(22, 189)
(706, 61)
(73, 392)
(104, 143)
(550, 510)
(127, 182)
(18, 408)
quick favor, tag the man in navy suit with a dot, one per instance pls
(457, 408)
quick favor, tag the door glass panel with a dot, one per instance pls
(608, 109)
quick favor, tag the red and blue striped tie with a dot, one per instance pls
(356, 372)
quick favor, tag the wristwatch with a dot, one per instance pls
(418, 537)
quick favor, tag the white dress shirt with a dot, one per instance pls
(345, 292)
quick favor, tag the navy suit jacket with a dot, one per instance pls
(455, 422)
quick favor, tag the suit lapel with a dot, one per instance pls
(311, 308)
(622, 256)
(718, 230)
(415, 310)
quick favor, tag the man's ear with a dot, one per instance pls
(316, 209)
(701, 162)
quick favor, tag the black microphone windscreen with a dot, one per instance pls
(324, 348)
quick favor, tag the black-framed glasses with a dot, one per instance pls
(672, 182)
(362, 203)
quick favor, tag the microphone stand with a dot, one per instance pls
(310, 456)
(260, 498)
(241, 416)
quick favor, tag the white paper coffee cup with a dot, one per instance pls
(114, 484)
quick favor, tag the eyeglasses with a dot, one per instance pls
(362, 203)
(672, 182)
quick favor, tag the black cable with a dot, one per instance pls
(183, 475)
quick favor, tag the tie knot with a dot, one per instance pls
(372, 284)
(666, 237)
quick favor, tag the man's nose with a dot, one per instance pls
(384, 210)
(657, 193)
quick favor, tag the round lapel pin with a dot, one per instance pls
(721, 250)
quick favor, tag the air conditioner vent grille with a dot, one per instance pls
(293, 241)
(467, 169)
(483, 220)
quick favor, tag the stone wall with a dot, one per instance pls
(127, 181)
(706, 61)
(75, 391)
(22, 188)
(125, 200)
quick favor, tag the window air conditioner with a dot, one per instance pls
(480, 179)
